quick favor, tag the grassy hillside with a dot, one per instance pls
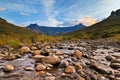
(12, 34)
(108, 28)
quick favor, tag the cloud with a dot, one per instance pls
(2, 9)
(87, 20)
(50, 12)
(23, 14)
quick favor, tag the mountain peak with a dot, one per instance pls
(35, 24)
(115, 14)
(1, 19)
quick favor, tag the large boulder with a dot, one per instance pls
(51, 59)
(77, 53)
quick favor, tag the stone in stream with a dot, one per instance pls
(110, 58)
(40, 67)
(64, 64)
(36, 52)
(70, 69)
(29, 69)
(38, 58)
(34, 48)
(24, 49)
(78, 66)
(8, 68)
(115, 65)
(51, 59)
(101, 68)
(50, 78)
(77, 53)
(58, 52)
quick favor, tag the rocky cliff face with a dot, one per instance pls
(115, 14)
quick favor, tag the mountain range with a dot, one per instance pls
(108, 28)
(54, 30)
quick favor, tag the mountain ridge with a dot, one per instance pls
(54, 30)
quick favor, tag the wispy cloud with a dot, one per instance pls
(87, 20)
(2, 8)
(23, 14)
(50, 12)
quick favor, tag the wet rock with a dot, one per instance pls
(77, 53)
(78, 66)
(34, 48)
(29, 68)
(50, 78)
(64, 75)
(51, 59)
(70, 69)
(24, 49)
(48, 74)
(110, 58)
(101, 68)
(115, 61)
(115, 65)
(64, 64)
(72, 45)
(40, 67)
(38, 58)
(36, 52)
(58, 52)
(8, 68)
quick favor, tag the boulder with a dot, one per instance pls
(34, 48)
(78, 66)
(110, 58)
(36, 52)
(70, 69)
(24, 49)
(40, 67)
(64, 64)
(58, 52)
(77, 53)
(51, 59)
(38, 58)
(8, 68)
(101, 68)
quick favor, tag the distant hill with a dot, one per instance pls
(54, 30)
(108, 28)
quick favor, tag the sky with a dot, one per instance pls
(56, 13)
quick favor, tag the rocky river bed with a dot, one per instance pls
(65, 60)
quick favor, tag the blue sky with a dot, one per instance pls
(56, 12)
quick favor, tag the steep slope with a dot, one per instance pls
(54, 30)
(108, 28)
(11, 29)
(13, 35)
